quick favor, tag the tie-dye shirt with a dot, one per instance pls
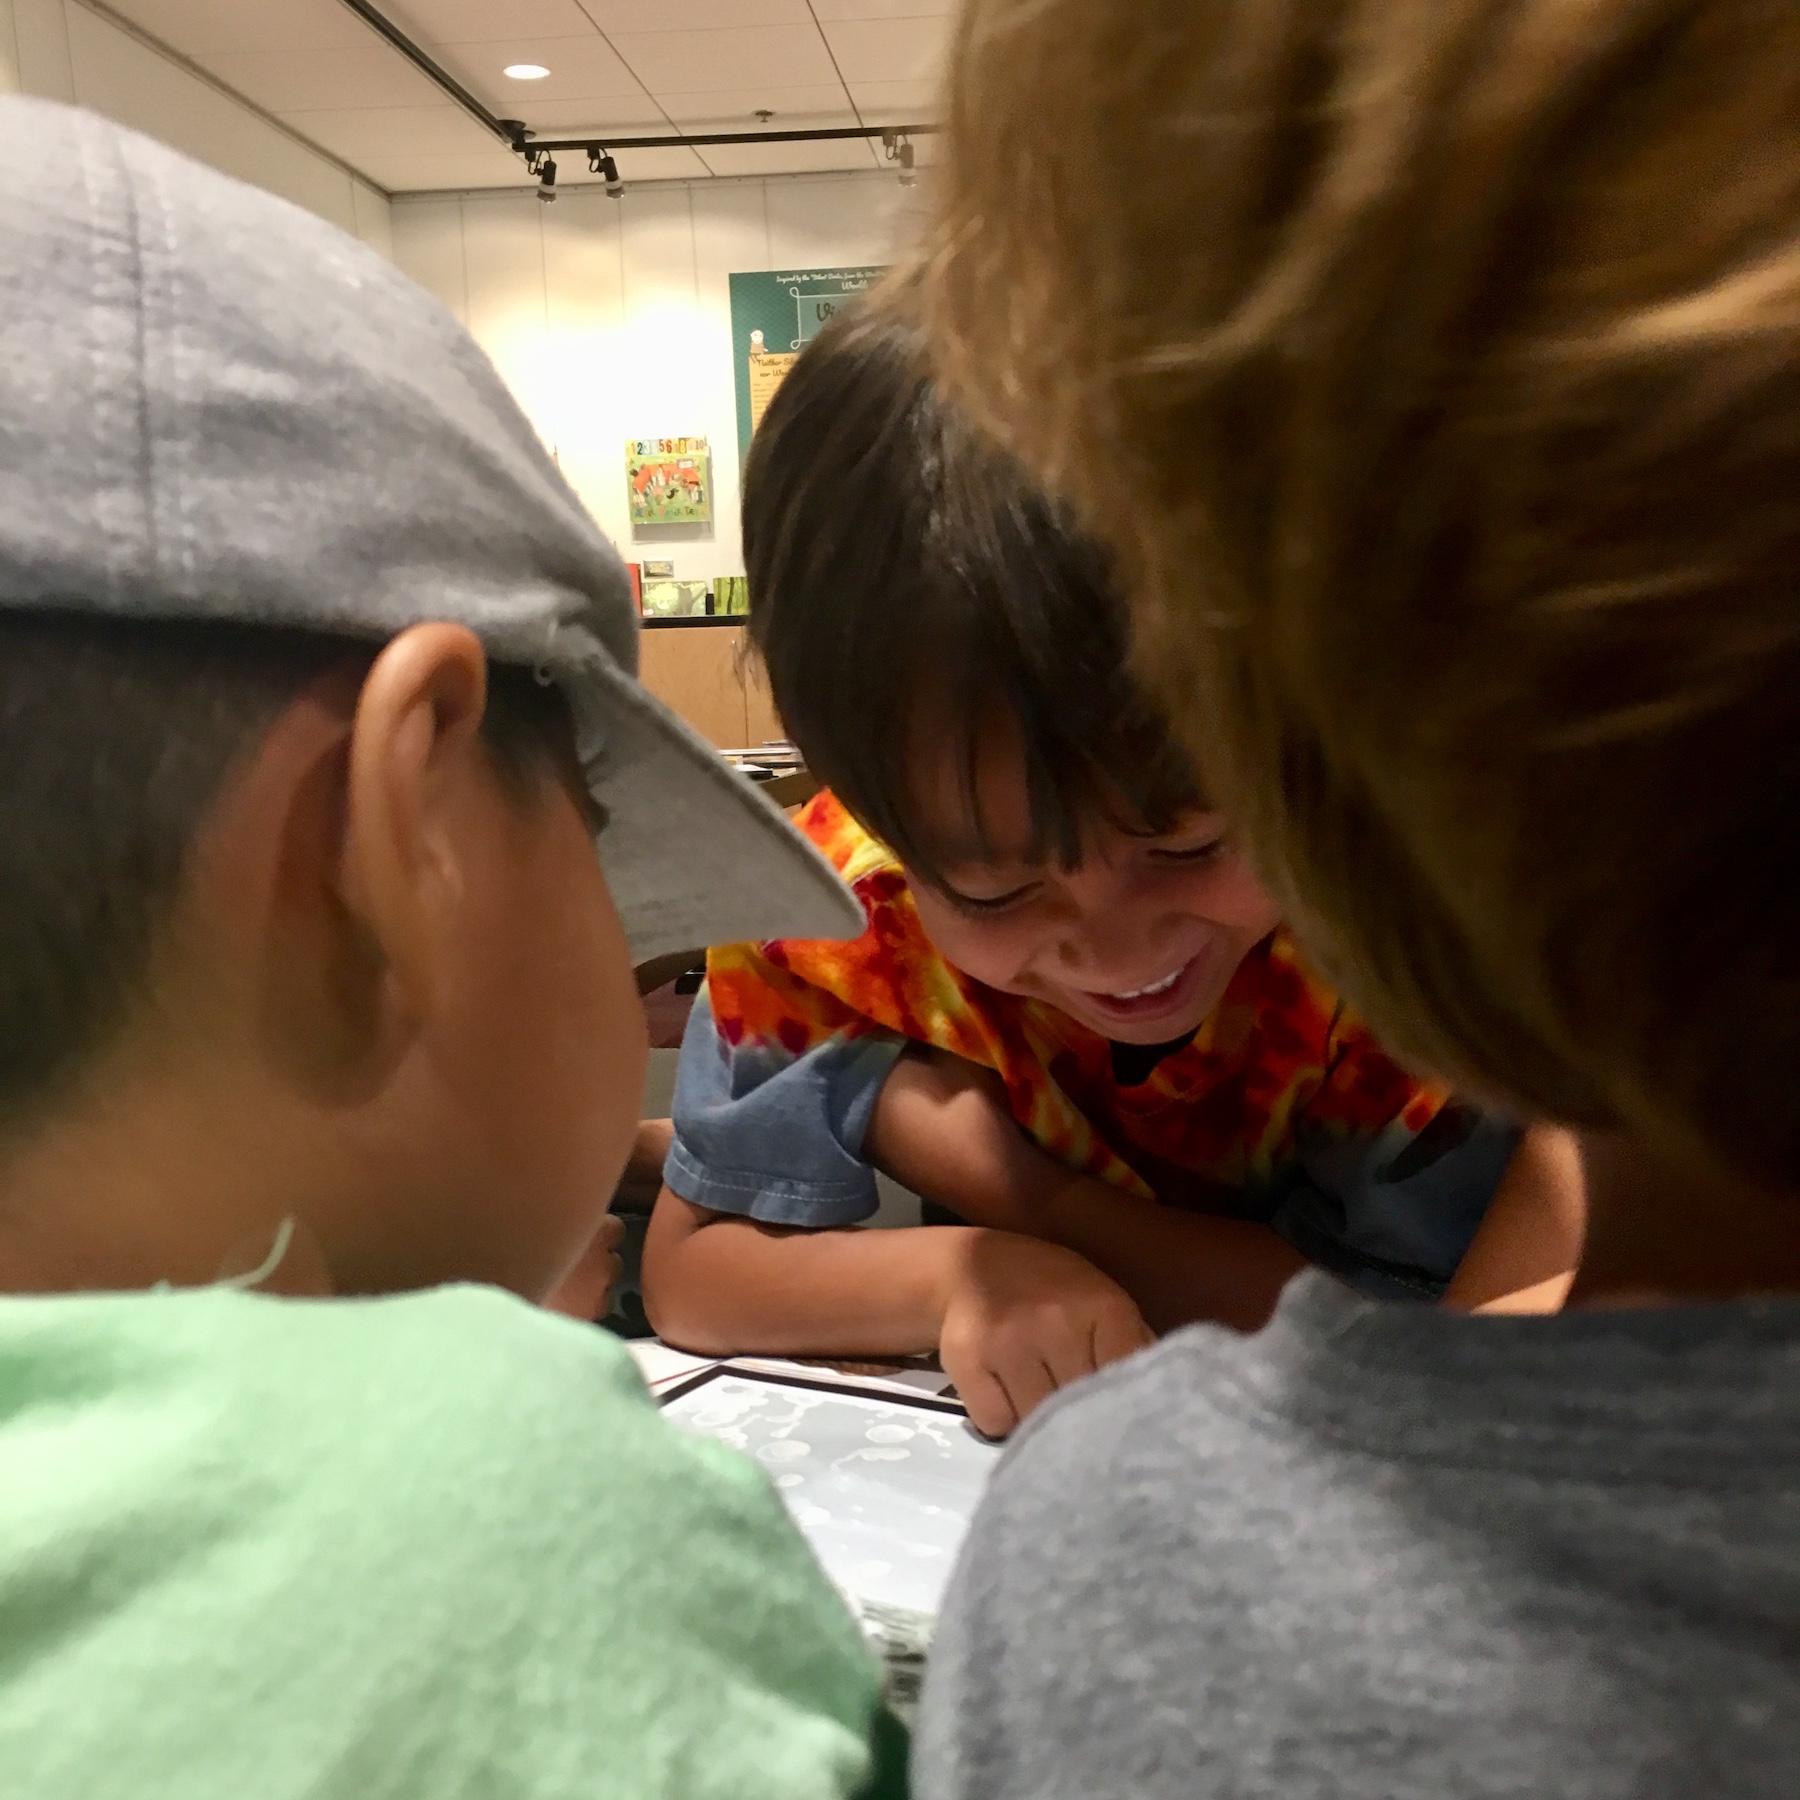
(1282, 1107)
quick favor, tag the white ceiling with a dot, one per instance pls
(621, 67)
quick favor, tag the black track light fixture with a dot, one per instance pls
(899, 148)
(600, 162)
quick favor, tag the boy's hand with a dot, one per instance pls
(642, 1179)
(586, 1291)
(943, 1128)
(1024, 1318)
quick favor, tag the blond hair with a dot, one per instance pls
(1435, 367)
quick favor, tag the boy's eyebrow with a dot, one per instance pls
(967, 847)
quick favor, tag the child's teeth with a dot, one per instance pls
(1156, 987)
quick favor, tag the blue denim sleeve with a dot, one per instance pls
(772, 1136)
(1393, 1214)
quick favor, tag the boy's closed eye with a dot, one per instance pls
(1138, 941)
(1008, 894)
(981, 905)
(1209, 851)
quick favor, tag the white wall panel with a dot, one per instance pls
(611, 319)
(819, 220)
(428, 245)
(374, 218)
(504, 278)
(665, 372)
(578, 404)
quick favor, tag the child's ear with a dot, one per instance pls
(414, 746)
(331, 862)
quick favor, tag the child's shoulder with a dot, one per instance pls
(414, 1393)
(892, 976)
(855, 853)
(450, 1497)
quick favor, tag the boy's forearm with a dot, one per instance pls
(943, 1129)
(733, 1286)
(1179, 1267)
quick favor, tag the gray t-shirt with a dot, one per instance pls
(1383, 1552)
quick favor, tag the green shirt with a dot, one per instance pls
(439, 1545)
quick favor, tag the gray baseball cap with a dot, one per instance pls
(214, 405)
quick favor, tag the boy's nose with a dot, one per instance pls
(1106, 944)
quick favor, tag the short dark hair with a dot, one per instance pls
(904, 575)
(115, 738)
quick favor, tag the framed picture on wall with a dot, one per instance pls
(669, 480)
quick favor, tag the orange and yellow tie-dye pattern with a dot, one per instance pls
(1279, 1054)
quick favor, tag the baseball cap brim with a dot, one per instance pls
(218, 407)
(693, 854)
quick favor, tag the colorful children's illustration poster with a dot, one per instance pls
(670, 480)
(774, 315)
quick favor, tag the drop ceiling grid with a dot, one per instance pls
(615, 66)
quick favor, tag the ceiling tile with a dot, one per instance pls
(356, 133)
(323, 80)
(787, 159)
(828, 10)
(735, 109)
(687, 62)
(561, 118)
(889, 49)
(658, 165)
(581, 68)
(203, 28)
(484, 21)
(908, 102)
(694, 15)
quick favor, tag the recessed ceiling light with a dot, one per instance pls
(525, 71)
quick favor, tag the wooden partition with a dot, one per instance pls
(700, 670)
(761, 719)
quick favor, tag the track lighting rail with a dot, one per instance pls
(528, 141)
(525, 143)
(432, 70)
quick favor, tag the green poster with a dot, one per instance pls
(772, 317)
